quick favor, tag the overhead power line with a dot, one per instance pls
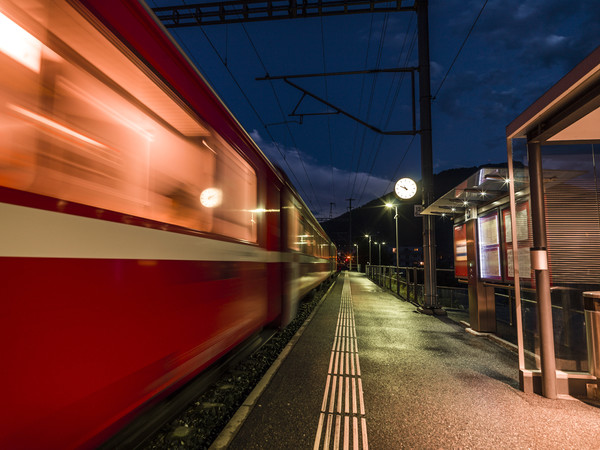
(459, 50)
(286, 122)
(258, 116)
(224, 62)
(328, 118)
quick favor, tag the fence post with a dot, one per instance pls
(415, 284)
(510, 306)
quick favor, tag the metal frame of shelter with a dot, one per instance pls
(240, 11)
(567, 113)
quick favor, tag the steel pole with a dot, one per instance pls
(397, 255)
(430, 281)
(397, 252)
(539, 262)
(516, 263)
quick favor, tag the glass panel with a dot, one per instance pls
(528, 301)
(572, 221)
(573, 231)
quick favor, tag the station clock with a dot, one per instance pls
(406, 188)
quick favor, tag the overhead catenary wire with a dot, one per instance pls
(393, 180)
(459, 51)
(370, 105)
(328, 118)
(434, 96)
(298, 154)
(260, 119)
(264, 125)
(372, 155)
(362, 90)
(406, 55)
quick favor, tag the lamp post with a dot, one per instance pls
(357, 264)
(391, 205)
(380, 244)
(367, 236)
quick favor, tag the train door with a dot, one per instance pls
(291, 226)
(274, 247)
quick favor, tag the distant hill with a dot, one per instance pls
(376, 220)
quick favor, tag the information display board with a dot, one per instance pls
(489, 246)
(523, 241)
(460, 251)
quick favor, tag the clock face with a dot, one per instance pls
(406, 188)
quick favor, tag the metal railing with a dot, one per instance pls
(567, 309)
(407, 283)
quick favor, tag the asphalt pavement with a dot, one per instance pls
(369, 371)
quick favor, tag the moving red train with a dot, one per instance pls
(143, 234)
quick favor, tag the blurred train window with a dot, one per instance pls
(92, 126)
(237, 183)
(295, 230)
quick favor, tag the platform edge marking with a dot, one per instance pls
(232, 428)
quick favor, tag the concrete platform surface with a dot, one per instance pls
(369, 371)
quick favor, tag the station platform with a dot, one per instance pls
(369, 371)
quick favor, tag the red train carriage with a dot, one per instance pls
(142, 235)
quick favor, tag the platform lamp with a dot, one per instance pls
(367, 236)
(357, 265)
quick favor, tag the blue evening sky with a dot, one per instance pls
(517, 50)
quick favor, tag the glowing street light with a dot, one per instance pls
(357, 265)
(367, 236)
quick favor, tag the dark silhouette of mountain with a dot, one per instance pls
(376, 220)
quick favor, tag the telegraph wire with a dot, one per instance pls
(362, 90)
(256, 113)
(406, 58)
(283, 116)
(328, 118)
(402, 75)
(393, 180)
(372, 95)
(459, 51)
(224, 62)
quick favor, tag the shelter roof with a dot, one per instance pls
(569, 112)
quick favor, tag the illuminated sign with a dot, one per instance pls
(523, 241)
(460, 251)
(489, 247)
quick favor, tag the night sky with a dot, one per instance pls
(516, 51)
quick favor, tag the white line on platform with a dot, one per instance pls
(226, 436)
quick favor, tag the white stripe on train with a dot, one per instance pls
(36, 233)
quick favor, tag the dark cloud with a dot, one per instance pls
(326, 185)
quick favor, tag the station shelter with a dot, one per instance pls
(527, 238)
